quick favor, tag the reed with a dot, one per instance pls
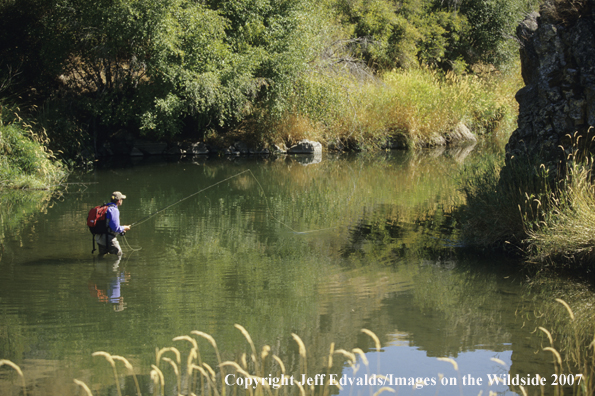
(211, 341)
(130, 369)
(18, 370)
(213, 388)
(112, 363)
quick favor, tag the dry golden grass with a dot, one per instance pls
(254, 371)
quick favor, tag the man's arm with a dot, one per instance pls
(113, 215)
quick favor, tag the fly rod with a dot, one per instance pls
(185, 198)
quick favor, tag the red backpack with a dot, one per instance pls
(97, 222)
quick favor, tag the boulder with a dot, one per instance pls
(197, 148)
(460, 134)
(306, 147)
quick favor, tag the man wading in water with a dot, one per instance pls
(108, 243)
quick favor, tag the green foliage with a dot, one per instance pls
(491, 28)
(413, 32)
(24, 163)
(173, 69)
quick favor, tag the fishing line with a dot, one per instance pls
(130, 247)
(144, 219)
(183, 199)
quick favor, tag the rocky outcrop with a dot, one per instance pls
(557, 103)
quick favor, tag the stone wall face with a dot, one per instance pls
(558, 68)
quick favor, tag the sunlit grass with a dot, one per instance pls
(416, 107)
(24, 160)
(265, 374)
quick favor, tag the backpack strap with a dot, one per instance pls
(93, 237)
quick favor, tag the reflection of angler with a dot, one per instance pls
(105, 283)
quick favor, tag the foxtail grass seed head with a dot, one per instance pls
(157, 377)
(16, 368)
(171, 349)
(350, 356)
(567, 307)
(239, 369)
(124, 360)
(549, 335)
(206, 336)
(247, 336)
(106, 355)
(280, 363)
(265, 352)
(131, 369)
(498, 361)
(191, 356)
(13, 365)
(173, 364)
(302, 347)
(187, 338)
(362, 355)
(374, 337)
(210, 370)
(384, 389)
(84, 386)
(451, 361)
(556, 354)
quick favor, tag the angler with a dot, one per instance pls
(104, 224)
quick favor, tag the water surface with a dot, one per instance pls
(285, 245)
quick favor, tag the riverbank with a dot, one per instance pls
(400, 109)
(25, 160)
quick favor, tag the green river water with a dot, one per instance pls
(321, 250)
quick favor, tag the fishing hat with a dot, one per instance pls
(117, 195)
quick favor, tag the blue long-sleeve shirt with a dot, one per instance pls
(113, 218)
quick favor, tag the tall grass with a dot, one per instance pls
(571, 341)
(263, 373)
(567, 235)
(25, 162)
(416, 107)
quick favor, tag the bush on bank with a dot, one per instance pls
(24, 160)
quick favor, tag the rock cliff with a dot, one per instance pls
(558, 68)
